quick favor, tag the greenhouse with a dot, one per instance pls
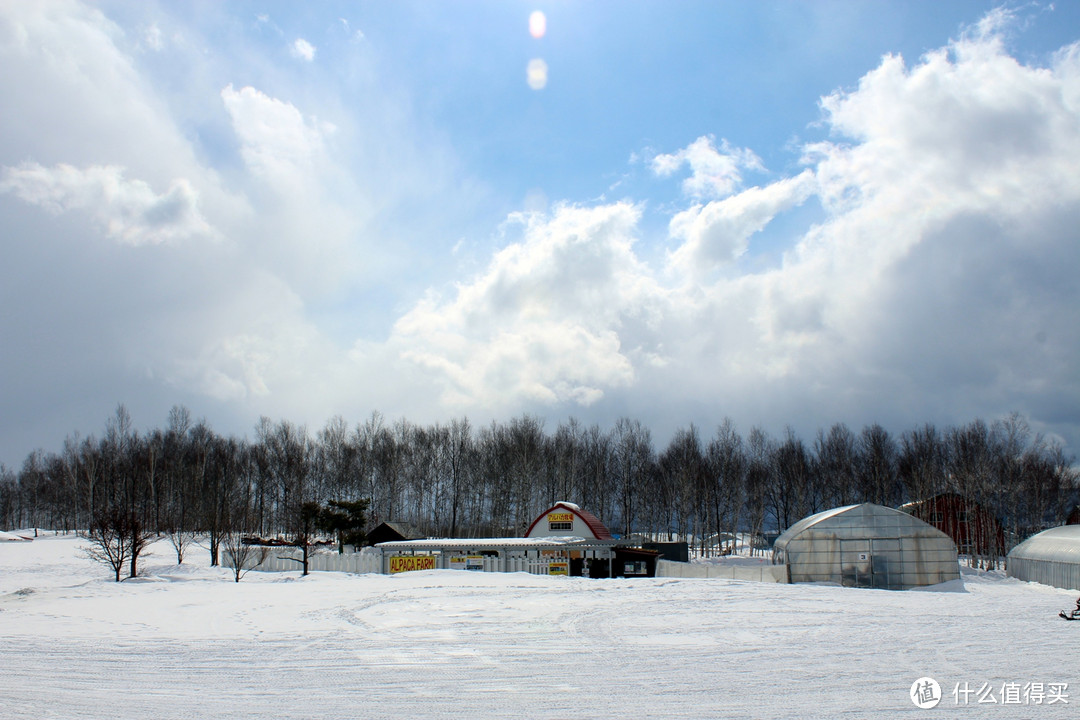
(866, 546)
(1052, 558)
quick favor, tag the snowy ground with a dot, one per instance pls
(187, 642)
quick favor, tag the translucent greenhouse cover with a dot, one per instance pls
(1061, 544)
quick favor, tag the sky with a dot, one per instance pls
(788, 214)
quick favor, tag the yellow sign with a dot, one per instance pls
(560, 517)
(407, 563)
(559, 568)
(462, 562)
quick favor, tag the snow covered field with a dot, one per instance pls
(187, 642)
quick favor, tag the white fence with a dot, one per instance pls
(284, 559)
(760, 573)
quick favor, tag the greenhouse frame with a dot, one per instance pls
(868, 546)
(1052, 558)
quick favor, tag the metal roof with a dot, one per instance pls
(1059, 544)
(595, 525)
(459, 544)
(893, 517)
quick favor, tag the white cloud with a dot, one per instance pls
(154, 39)
(713, 173)
(309, 207)
(354, 35)
(276, 140)
(551, 319)
(128, 210)
(937, 283)
(301, 49)
(716, 234)
(948, 243)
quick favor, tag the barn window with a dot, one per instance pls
(560, 526)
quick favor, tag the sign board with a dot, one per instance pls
(408, 563)
(466, 562)
(559, 568)
(561, 517)
(863, 557)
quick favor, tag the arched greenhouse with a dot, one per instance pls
(866, 546)
(1052, 558)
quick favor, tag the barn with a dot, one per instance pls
(1052, 558)
(972, 526)
(868, 546)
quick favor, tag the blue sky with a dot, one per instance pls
(786, 213)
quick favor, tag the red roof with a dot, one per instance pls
(598, 528)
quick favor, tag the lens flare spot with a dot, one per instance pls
(537, 74)
(537, 24)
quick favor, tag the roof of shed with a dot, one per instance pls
(404, 529)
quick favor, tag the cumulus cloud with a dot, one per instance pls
(938, 281)
(715, 235)
(950, 203)
(129, 211)
(551, 319)
(714, 173)
(301, 49)
(276, 140)
(309, 207)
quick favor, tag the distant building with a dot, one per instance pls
(392, 531)
(974, 529)
(562, 540)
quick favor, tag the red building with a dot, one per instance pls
(974, 529)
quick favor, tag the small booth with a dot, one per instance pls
(563, 540)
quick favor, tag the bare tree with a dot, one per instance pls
(241, 553)
(760, 473)
(117, 538)
(877, 456)
(727, 465)
(838, 459)
(633, 462)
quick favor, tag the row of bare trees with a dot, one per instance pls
(455, 479)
